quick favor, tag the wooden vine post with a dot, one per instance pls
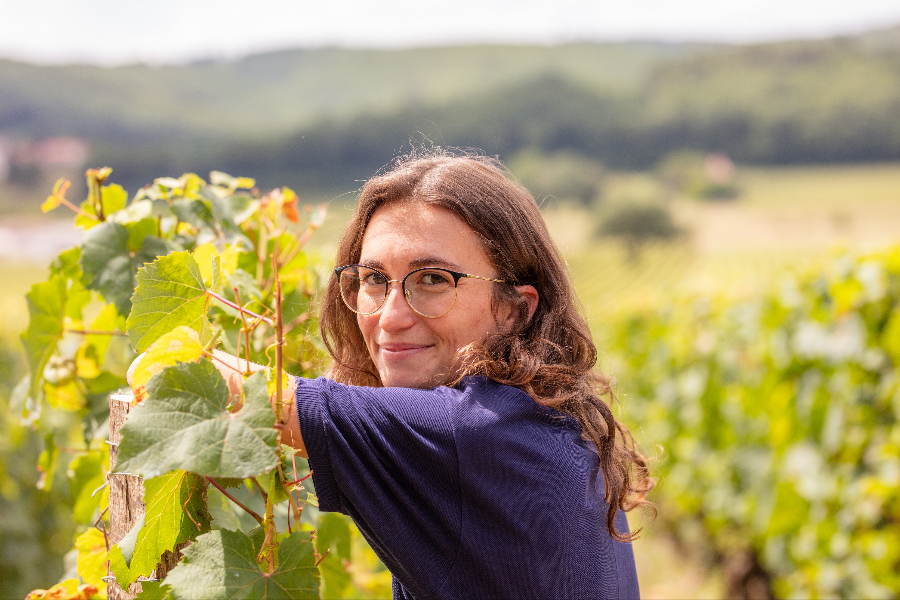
(126, 502)
(126, 492)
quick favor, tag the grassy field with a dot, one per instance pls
(782, 219)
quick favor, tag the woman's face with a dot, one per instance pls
(410, 350)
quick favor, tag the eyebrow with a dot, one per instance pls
(427, 261)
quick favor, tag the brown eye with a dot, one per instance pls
(372, 278)
(433, 279)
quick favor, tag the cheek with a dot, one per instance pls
(473, 322)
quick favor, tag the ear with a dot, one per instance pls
(530, 295)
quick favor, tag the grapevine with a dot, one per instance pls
(185, 268)
(779, 416)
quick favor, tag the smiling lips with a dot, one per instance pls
(400, 351)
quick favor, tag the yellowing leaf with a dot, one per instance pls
(289, 205)
(86, 473)
(179, 345)
(65, 590)
(89, 218)
(58, 195)
(86, 362)
(204, 255)
(91, 562)
(107, 320)
(232, 183)
(66, 396)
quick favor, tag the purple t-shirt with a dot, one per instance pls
(469, 492)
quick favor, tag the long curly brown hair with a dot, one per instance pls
(550, 356)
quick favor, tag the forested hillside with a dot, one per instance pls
(323, 119)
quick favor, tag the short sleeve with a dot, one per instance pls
(387, 457)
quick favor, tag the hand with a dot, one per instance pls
(233, 368)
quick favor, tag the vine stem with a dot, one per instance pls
(240, 308)
(252, 513)
(94, 332)
(74, 208)
(279, 363)
(96, 192)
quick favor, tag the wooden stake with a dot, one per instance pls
(126, 501)
(126, 492)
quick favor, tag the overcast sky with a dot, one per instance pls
(164, 31)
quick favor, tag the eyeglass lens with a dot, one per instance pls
(429, 292)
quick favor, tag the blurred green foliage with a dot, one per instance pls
(698, 175)
(779, 422)
(36, 526)
(563, 176)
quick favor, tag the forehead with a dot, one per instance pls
(412, 234)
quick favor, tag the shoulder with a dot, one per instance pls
(500, 404)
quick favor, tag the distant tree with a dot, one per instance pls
(636, 224)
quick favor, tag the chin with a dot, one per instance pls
(411, 380)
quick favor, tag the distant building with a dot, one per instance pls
(44, 155)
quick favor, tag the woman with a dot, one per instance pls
(462, 425)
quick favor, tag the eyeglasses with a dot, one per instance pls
(431, 292)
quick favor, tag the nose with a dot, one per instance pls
(395, 313)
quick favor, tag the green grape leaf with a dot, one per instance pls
(196, 212)
(184, 424)
(273, 486)
(246, 285)
(153, 590)
(111, 255)
(150, 248)
(333, 534)
(121, 554)
(86, 473)
(222, 564)
(113, 198)
(46, 307)
(139, 230)
(175, 511)
(170, 292)
(106, 320)
(66, 264)
(91, 561)
(106, 264)
(83, 220)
